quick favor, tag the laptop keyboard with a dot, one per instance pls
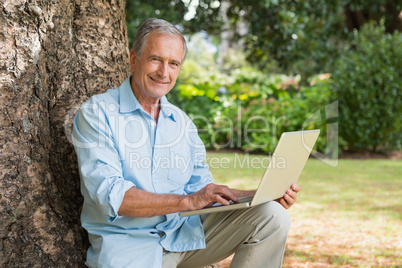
(245, 199)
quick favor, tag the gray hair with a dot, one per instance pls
(159, 26)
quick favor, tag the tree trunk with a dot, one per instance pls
(356, 18)
(54, 54)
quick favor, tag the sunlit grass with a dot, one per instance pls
(345, 216)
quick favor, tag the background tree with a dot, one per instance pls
(368, 87)
(138, 11)
(305, 37)
(300, 36)
(190, 16)
(360, 12)
(53, 56)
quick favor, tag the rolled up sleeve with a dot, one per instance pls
(102, 182)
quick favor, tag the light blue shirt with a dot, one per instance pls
(120, 146)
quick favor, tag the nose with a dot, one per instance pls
(163, 70)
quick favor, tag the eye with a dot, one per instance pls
(155, 59)
(175, 64)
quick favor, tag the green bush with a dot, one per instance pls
(289, 112)
(247, 109)
(367, 83)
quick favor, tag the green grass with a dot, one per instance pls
(360, 187)
(349, 215)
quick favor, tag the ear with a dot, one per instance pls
(133, 58)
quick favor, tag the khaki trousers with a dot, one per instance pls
(256, 235)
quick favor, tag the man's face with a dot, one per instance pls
(155, 74)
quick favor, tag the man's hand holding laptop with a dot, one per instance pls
(214, 193)
(290, 196)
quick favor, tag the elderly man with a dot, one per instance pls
(141, 162)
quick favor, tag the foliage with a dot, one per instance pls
(139, 11)
(293, 37)
(302, 36)
(306, 36)
(247, 109)
(290, 111)
(368, 87)
(207, 15)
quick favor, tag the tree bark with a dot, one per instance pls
(54, 54)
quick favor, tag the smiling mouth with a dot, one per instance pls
(157, 81)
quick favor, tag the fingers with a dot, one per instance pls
(284, 203)
(222, 194)
(295, 188)
(211, 194)
(223, 201)
(290, 196)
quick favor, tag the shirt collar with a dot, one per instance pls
(167, 108)
(129, 103)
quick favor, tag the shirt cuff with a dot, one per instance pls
(116, 196)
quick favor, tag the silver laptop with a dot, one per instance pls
(284, 169)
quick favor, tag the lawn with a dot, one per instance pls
(345, 216)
